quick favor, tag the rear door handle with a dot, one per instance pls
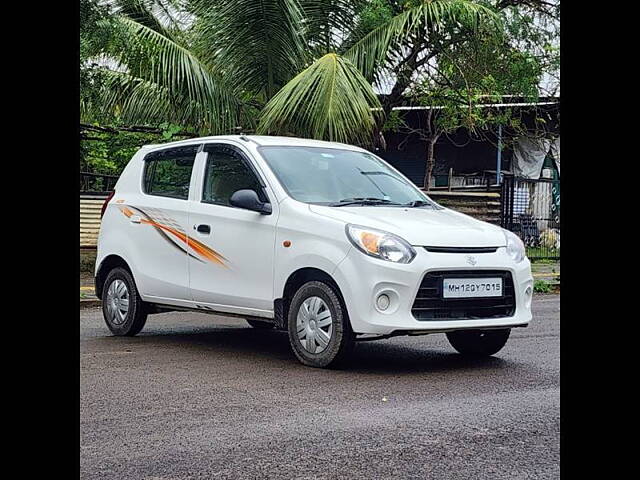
(135, 219)
(202, 228)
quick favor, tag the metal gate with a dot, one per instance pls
(531, 209)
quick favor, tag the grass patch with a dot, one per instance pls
(542, 261)
(542, 254)
(542, 286)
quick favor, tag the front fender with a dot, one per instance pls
(306, 240)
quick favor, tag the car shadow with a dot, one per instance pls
(395, 356)
(271, 347)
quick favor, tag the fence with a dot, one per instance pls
(90, 206)
(531, 210)
(481, 181)
(94, 188)
(484, 206)
(95, 183)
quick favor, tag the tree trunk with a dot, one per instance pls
(431, 161)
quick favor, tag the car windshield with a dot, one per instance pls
(336, 177)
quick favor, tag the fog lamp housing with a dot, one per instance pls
(383, 301)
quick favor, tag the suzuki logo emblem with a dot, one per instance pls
(471, 260)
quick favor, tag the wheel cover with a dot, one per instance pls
(117, 302)
(314, 325)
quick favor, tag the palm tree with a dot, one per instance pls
(302, 67)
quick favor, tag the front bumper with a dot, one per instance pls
(362, 278)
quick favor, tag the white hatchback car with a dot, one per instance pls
(324, 240)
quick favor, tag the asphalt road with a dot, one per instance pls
(196, 396)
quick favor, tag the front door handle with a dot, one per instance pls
(135, 218)
(202, 228)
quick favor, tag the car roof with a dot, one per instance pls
(260, 140)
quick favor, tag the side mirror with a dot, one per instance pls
(248, 199)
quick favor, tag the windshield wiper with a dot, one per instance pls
(363, 201)
(418, 203)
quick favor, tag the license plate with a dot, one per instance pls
(471, 287)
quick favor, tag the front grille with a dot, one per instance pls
(461, 249)
(430, 305)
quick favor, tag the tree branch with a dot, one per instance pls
(133, 129)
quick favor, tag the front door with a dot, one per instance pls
(232, 269)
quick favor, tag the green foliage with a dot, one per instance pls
(169, 131)
(375, 14)
(534, 28)
(473, 69)
(393, 122)
(324, 18)
(302, 67)
(541, 286)
(337, 99)
(164, 81)
(109, 152)
(258, 44)
(237, 61)
(419, 18)
(94, 35)
(534, 253)
(541, 261)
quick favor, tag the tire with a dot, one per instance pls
(260, 324)
(119, 286)
(479, 343)
(308, 309)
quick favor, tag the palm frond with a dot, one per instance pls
(329, 100)
(140, 11)
(373, 49)
(157, 60)
(328, 22)
(134, 100)
(258, 42)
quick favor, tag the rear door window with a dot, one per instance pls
(167, 173)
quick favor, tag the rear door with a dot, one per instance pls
(232, 268)
(156, 224)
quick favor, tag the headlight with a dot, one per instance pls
(380, 244)
(515, 247)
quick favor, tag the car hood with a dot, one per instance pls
(420, 226)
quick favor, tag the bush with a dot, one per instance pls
(550, 239)
(87, 260)
(541, 286)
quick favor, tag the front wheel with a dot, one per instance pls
(478, 343)
(319, 330)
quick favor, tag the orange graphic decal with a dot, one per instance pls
(206, 252)
(183, 240)
(128, 213)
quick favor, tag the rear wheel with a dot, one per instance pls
(260, 324)
(319, 330)
(123, 310)
(479, 343)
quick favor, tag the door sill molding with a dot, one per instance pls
(211, 307)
